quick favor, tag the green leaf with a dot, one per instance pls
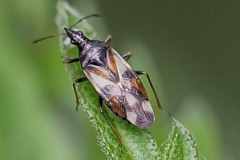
(180, 144)
(138, 143)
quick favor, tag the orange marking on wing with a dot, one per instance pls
(116, 107)
(137, 84)
(112, 63)
(98, 71)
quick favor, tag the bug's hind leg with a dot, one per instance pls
(105, 117)
(127, 56)
(155, 94)
(79, 80)
(108, 39)
(149, 80)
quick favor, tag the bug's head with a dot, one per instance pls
(76, 37)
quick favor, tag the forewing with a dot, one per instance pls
(103, 82)
(107, 86)
(125, 74)
(137, 107)
(121, 89)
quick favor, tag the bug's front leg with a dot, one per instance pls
(67, 61)
(79, 80)
(108, 39)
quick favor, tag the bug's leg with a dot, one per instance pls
(79, 80)
(105, 117)
(67, 61)
(155, 94)
(108, 39)
(126, 56)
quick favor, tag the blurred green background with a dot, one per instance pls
(189, 48)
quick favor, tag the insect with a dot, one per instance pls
(118, 85)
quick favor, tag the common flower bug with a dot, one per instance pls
(118, 85)
(113, 78)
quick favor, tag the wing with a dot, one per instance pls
(106, 85)
(137, 107)
(125, 74)
(121, 89)
(138, 111)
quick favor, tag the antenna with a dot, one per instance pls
(80, 20)
(47, 37)
(60, 34)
